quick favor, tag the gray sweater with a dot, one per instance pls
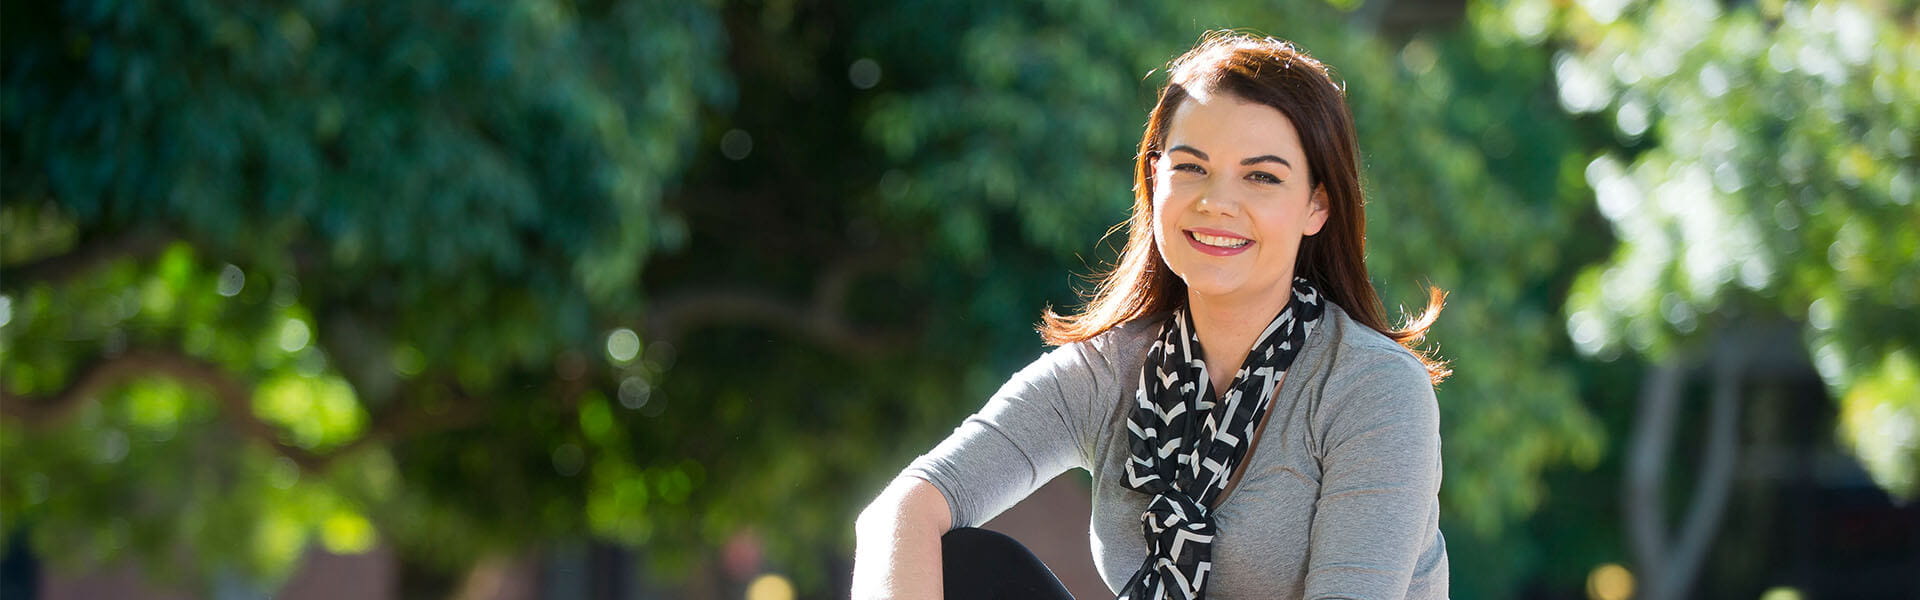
(1340, 499)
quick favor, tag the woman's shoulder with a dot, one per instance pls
(1113, 354)
(1366, 365)
(1131, 334)
(1367, 382)
(1363, 347)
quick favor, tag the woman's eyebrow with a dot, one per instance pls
(1255, 160)
(1267, 158)
(1190, 150)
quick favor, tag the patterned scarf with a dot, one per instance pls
(1186, 444)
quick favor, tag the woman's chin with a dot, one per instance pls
(1212, 288)
(1233, 290)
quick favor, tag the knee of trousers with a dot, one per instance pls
(968, 551)
(979, 542)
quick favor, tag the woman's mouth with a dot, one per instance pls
(1217, 243)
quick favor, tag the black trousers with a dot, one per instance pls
(989, 565)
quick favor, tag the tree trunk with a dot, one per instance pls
(1670, 561)
(422, 581)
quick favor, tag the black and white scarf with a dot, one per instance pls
(1187, 441)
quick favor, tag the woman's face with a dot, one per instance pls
(1231, 200)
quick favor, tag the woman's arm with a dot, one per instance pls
(1038, 425)
(1379, 481)
(897, 542)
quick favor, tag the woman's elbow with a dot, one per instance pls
(908, 502)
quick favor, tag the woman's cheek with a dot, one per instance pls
(1164, 225)
(1160, 227)
(1171, 198)
(1161, 197)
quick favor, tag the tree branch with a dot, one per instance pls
(1670, 560)
(1716, 471)
(1647, 451)
(822, 319)
(235, 397)
(83, 258)
(401, 420)
(104, 373)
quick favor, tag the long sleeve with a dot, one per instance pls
(1039, 424)
(1379, 484)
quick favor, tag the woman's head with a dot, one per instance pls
(1231, 198)
(1288, 106)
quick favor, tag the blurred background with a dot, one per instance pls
(589, 299)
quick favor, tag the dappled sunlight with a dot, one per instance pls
(648, 299)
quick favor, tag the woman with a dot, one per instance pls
(1254, 427)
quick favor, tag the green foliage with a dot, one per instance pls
(157, 469)
(379, 221)
(1765, 164)
(341, 142)
(484, 278)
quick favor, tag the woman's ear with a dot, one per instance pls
(1317, 210)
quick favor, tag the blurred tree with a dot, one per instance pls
(1762, 168)
(333, 268)
(464, 278)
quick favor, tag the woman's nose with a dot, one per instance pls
(1215, 201)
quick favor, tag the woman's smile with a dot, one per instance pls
(1217, 242)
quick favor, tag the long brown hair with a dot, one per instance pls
(1274, 73)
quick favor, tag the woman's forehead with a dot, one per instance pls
(1227, 127)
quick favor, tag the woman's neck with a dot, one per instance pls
(1228, 326)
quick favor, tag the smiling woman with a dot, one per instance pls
(1237, 351)
(1230, 229)
(1265, 94)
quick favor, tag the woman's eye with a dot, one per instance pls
(1263, 177)
(1190, 168)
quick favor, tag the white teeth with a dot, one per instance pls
(1219, 241)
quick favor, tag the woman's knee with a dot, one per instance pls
(981, 563)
